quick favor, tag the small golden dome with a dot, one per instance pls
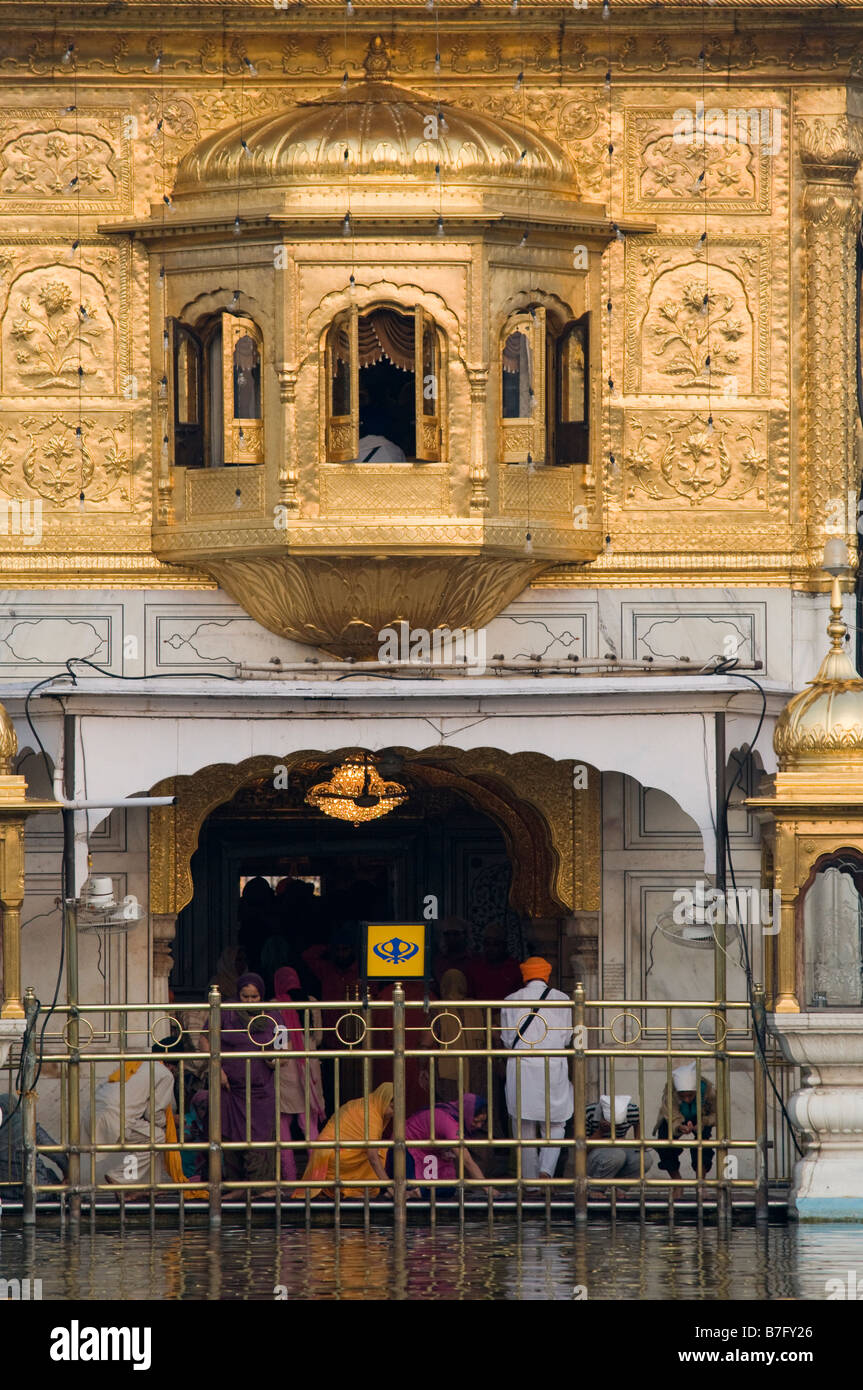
(827, 717)
(391, 135)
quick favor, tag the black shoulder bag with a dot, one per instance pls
(526, 1022)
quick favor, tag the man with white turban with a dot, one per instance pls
(685, 1112)
(615, 1161)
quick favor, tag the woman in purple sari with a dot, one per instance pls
(242, 1031)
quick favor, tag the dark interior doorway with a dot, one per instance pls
(388, 405)
(437, 844)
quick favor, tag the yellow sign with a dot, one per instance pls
(396, 951)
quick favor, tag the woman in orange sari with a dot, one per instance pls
(355, 1164)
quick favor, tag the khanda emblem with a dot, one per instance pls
(395, 950)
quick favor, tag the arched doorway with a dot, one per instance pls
(436, 846)
(541, 818)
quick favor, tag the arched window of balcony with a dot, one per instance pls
(833, 933)
(215, 393)
(384, 386)
(543, 390)
(522, 387)
(571, 370)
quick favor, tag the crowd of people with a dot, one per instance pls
(315, 1121)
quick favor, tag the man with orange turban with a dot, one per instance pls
(536, 1021)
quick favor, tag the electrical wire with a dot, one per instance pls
(19, 1075)
(116, 675)
(740, 762)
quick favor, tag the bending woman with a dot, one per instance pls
(436, 1163)
(355, 1165)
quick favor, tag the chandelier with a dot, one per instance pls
(356, 792)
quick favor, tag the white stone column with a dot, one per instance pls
(827, 1112)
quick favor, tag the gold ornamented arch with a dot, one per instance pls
(551, 830)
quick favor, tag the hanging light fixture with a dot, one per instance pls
(356, 792)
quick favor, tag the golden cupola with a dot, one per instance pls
(811, 809)
(375, 328)
(382, 139)
(821, 728)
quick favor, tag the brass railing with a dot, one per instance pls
(433, 1057)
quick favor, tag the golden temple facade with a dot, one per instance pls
(681, 178)
(534, 322)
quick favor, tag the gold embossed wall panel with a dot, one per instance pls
(684, 502)
(73, 379)
(664, 166)
(54, 161)
(697, 422)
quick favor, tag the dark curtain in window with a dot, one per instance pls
(382, 333)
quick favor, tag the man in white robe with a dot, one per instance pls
(527, 1023)
(135, 1103)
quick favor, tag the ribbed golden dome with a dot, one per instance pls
(827, 717)
(390, 134)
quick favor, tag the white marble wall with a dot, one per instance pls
(650, 847)
(141, 632)
(650, 850)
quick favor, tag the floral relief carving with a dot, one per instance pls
(664, 171)
(200, 52)
(675, 341)
(44, 164)
(672, 168)
(670, 458)
(695, 333)
(826, 138)
(79, 163)
(173, 129)
(58, 334)
(323, 50)
(576, 124)
(57, 463)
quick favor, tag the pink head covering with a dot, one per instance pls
(285, 981)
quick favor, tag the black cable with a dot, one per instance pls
(19, 1075)
(25, 1040)
(726, 668)
(385, 676)
(156, 676)
(49, 766)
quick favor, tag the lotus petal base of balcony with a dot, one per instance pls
(341, 604)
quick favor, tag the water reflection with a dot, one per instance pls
(536, 1262)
